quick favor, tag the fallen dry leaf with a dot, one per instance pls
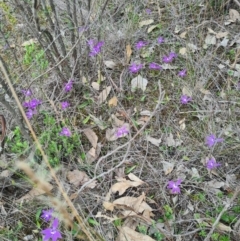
(116, 122)
(183, 51)
(136, 203)
(224, 42)
(109, 64)
(113, 101)
(145, 22)
(128, 52)
(204, 91)
(100, 76)
(154, 141)
(93, 153)
(183, 34)
(210, 39)
(95, 85)
(5, 173)
(29, 42)
(108, 206)
(215, 184)
(221, 35)
(111, 134)
(104, 94)
(211, 31)
(224, 227)
(150, 29)
(92, 137)
(35, 192)
(182, 124)
(127, 234)
(123, 185)
(131, 223)
(139, 83)
(167, 167)
(171, 142)
(132, 177)
(78, 178)
(234, 15)
(192, 47)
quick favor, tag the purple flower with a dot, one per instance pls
(27, 92)
(140, 44)
(185, 99)
(95, 48)
(30, 113)
(52, 232)
(211, 164)
(32, 104)
(167, 59)
(134, 68)
(47, 214)
(155, 66)
(148, 11)
(91, 42)
(182, 73)
(64, 105)
(161, 40)
(122, 131)
(65, 132)
(68, 86)
(174, 186)
(211, 140)
(173, 55)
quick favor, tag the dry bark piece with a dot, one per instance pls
(78, 178)
(92, 137)
(104, 94)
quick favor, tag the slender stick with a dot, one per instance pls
(39, 146)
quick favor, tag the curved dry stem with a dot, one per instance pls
(91, 234)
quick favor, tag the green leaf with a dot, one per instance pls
(38, 213)
(93, 221)
(85, 121)
(84, 104)
(128, 170)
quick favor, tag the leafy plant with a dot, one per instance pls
(16, 144)
(11, 234)
(168, 214)
(118, 222)
(142, 229)
(34, 54)
(57, 146)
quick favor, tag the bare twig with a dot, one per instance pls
(236, 1)
(161, 96)
(91, 234)
(221, 213)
